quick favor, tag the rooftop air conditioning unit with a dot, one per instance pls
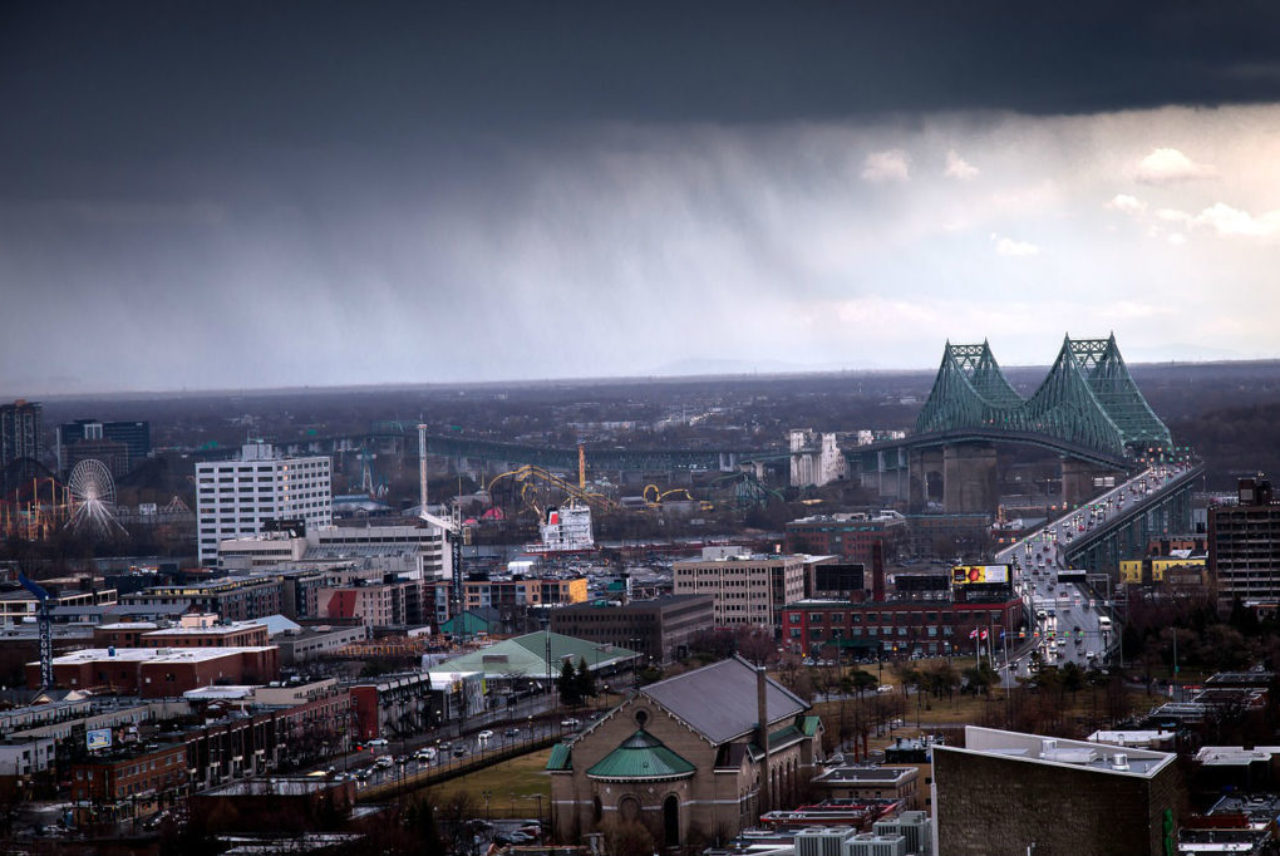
(1120, 761)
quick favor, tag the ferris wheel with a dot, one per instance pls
(93, 499)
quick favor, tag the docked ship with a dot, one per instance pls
(566, 529)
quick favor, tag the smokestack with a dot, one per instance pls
(762, 717)
(422, 465)
(877, 571)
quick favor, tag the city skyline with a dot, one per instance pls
(223, 196)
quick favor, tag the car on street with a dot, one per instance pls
(511, 732)
(485, 735)
(571, 722)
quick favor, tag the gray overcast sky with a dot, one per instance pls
(248, 194)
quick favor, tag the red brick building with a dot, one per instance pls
(240, 634)
(128, 784)
(900, 627)
(850, 536)
(145, 634)
(392, 704)
(160, 672)
(125, 634)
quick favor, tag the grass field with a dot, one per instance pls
(513, 786)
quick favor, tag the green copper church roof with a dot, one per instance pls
(641, 756)
(561, 757)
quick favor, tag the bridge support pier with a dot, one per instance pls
(969, 482)
(926, 479)
(1077, 481)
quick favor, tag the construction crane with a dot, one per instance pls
(451, 526)
(45, 621)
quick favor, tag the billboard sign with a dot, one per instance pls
(98, 738)
(978, 574)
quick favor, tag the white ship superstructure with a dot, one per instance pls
(567, 528)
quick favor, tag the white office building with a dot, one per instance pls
(234, 498)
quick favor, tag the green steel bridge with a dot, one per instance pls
(1087, 408)
(1088, 403)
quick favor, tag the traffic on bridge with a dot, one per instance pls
(1070, 623)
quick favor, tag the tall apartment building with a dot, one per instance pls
(75, 440)
(234, 498)
(20, 426)
(745, 589)
(1244, 547)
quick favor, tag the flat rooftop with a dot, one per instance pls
(866, 774)
(158, 655)
(216, 629)
(1234, 756)
(1140, 738)
(231, 692)
(1060, 752)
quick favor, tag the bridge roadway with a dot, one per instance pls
(959, 436)
(467, 447)
(1068, 618)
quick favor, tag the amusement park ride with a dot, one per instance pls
(84, 504)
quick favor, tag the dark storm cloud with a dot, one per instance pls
(257, 193)
(145, 79)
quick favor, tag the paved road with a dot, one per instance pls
(1072, 625)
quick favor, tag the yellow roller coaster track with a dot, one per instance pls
(532, 478)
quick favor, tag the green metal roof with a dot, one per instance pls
(466, 624)
(783, 736)
(527, 655)
(641, 756)
(810, 725)
(561, 757)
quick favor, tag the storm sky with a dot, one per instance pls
(258, 194)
